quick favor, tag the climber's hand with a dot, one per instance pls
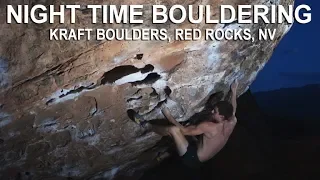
(234, 86)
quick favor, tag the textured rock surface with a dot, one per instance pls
(63, 104)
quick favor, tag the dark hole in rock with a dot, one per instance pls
(132, 99)
(167, 90)
(131, 114)
(154, 93)
(150, 79)
(139, 56)
(121, 71)
(136, 92)
(1, 141)
(117, 73)
(50, 101)
(147, 68)
(80, 89)
(27, 173)
(59, 73)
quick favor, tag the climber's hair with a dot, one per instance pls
(225, 108)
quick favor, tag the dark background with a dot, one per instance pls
(289, 85)
(278, 131)
(295, 62)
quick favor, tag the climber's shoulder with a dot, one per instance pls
(233, 119)
(230, 124)
(208, 126)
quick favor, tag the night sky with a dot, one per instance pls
(295, 61)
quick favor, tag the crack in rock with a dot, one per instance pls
(150, 79)
(120, 72)
(118, 76)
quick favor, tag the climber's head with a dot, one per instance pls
(223, 110)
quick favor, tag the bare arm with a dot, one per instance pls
(168, 115)
(189, 130)
(233, 99)
(195, 130)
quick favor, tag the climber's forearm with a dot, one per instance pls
(234, 101)
(191, 131)
(168, 115)
(175, 122)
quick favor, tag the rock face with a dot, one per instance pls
(63, 104)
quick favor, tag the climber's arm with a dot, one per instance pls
(233, 99)
(189, 130)
(168, 115)
(197, 130)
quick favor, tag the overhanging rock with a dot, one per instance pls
(63, 103)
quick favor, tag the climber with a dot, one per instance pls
(215, 132)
